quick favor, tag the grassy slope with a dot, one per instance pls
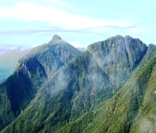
(130, 110)
(115, 115)
(119, 114)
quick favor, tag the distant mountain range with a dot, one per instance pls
(108, 88)
(9, 57)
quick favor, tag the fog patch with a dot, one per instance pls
(148, 126)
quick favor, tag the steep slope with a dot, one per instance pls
(119, 56)
(71, 95)
(33, 70)
(131, 110)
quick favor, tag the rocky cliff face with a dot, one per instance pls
(64, 90)
(118, 57)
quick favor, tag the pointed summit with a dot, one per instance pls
(56, 39)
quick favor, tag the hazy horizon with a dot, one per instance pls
(32, 23)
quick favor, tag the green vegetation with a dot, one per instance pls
(110, 88)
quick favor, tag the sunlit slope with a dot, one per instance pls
(131, 110)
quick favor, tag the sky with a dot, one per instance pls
(29, 23)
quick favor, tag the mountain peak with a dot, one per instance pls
(56, 39)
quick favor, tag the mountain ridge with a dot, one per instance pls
(75, 87)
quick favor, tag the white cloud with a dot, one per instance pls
(12, 48)
(76, 44)
(63, 4)
(136, 30)
(55, 17)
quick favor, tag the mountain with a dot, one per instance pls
(130, 110)
(107, 88)
(21, 87)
